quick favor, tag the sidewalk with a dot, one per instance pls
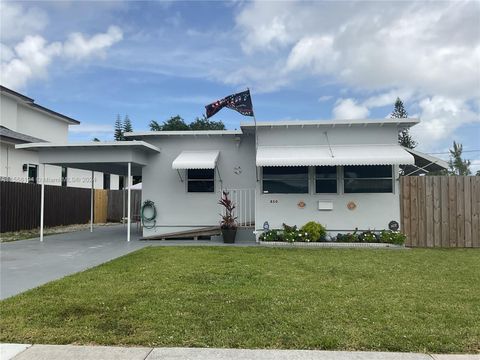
(72, 352)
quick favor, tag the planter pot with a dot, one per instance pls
(229, 235)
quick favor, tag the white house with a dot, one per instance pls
(23, 121)
(343, 174)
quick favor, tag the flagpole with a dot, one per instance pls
(256, 136)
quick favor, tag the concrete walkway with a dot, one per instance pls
(71, 352)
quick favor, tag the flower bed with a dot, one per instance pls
(315, 233)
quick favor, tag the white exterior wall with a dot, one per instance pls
(178, 210)
(8, 112)
(35, 123)
(373, 211)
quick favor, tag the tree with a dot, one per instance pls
(96, 139)
(118, 135)
(127, 125)
(204, 123)
(457, 165)
(478, 173)
(404, 137)
(175, 123)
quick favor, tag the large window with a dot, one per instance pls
(368, 179)
(201, 180)
(285, 180)
(326, 179)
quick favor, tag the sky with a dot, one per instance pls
(320, 60)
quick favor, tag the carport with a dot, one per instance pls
(120, 157)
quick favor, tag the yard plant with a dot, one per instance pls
(357, 299)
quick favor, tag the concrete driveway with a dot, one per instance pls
(26, 264)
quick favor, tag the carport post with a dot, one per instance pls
(42, 202)
(91, 203)
(129, 199)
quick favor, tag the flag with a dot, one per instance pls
(241, 102)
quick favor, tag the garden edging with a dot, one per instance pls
(329, 244)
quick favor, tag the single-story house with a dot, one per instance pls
(341, 173)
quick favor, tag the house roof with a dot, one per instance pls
(331, 123)
(31, 103)
(184, 133)
(341, 155)
(16, 137)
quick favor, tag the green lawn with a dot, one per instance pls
(359, 299)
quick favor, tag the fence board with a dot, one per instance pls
(441, 211)
(100, 206)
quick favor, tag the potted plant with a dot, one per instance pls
(228, 224)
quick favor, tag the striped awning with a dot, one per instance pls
(324, 155)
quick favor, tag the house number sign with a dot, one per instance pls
(274, 201)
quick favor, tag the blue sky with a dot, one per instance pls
(301, 60)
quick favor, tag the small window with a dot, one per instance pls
(106, 181)
(368, 179)
(285, 180)
(32, 173)
(64, 176)
(326, 179)
(201, 180)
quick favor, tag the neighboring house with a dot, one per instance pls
(22, 121)
(343, 174)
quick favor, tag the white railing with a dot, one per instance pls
(244, 200)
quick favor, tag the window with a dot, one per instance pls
(201, 180)
(64, 176)
(285, 180)
(32, 173)
(106, 181)
(368, 179)
(326, 179)
(121, 182)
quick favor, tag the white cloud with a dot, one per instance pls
(31, 58)
(78, 46)
(440, 118)
(17, 22)
(349, 109)
(325, 98)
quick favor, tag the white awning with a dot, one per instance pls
(334, 155)
(196, 160)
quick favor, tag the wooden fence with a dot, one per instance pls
(20, 206)
(441, 211)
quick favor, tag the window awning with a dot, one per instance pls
(323, 155)
(206, 159)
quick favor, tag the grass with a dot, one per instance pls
(356, 299)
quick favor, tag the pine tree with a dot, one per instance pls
(458, 166)
(118, 135)
(404, 137)
(127, 126)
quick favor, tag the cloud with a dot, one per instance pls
(78, 46)
(31, 58)
(349, 109)
(17, 22)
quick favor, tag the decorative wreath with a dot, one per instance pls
(301, 204)
(351, 205)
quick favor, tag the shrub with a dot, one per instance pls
(348, 237)
(272, 235)
(392, 237)
(316, 231)
(292, 234)
(368, 237)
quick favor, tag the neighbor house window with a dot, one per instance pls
(201, 180)
(368, 179)
(326, 179)
(32, 173)
(64, 176)
(106, 181)
(285, 180)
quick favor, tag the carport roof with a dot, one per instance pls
(107, 157)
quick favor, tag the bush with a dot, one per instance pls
(272, 235)
(392, 237)
(369, 237)
(348, 237)
(316, 231)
